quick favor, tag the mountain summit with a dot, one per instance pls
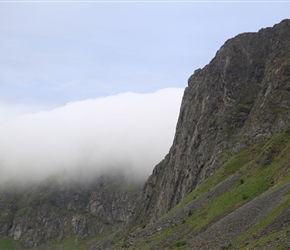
(225, 183)
(241, 97)
(231, 111)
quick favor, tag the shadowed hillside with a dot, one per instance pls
(225, 183)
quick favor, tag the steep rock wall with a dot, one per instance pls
(240, 97)
(54, 211)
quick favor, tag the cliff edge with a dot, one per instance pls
(241, 97)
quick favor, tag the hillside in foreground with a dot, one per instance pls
(225, 183)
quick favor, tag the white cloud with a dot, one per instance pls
(129, 132)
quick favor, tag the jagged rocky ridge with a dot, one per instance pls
(56, 210)
(225, 181)
(242, 96)
(223, 185)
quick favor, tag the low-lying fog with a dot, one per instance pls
(127, 132)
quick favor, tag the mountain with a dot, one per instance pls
(67, 214)
(226, 176)
(225, 183)
(240, 98)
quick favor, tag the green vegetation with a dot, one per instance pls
(68, 243)
(266, 221)
(179, 244)
(261, 243)
(73, 242)
(258, 168)
(6, 243)
(230, 167)
(262, 166)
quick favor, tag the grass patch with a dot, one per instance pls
(6, 243)
(74, 242)
(266, 221)
(262, 166)
(66, 244)
(261, 243)
(257, 179)
(179, 244)
(230, 167)
(163, 236)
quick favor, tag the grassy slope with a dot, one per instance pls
(6, 243)
(262, 166)
(70, 242)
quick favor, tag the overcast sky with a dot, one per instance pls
(56, 52)
(72, 65)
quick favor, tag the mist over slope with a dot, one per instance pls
(127, 132)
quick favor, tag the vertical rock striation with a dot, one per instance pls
(240, 97)
(54, 211)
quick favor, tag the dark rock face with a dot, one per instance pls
(54, 211)
(240, 97)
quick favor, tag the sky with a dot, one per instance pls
(56, 52)
(127, 133)
(60, 55)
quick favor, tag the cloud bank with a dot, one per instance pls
(127, 132)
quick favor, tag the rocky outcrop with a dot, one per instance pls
(54, 211)
(242, 96)
(239, 221)
(221, 233)
(238, 103)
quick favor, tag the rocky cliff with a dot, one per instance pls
(241, 97)
(57, 211)
(225, 183)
